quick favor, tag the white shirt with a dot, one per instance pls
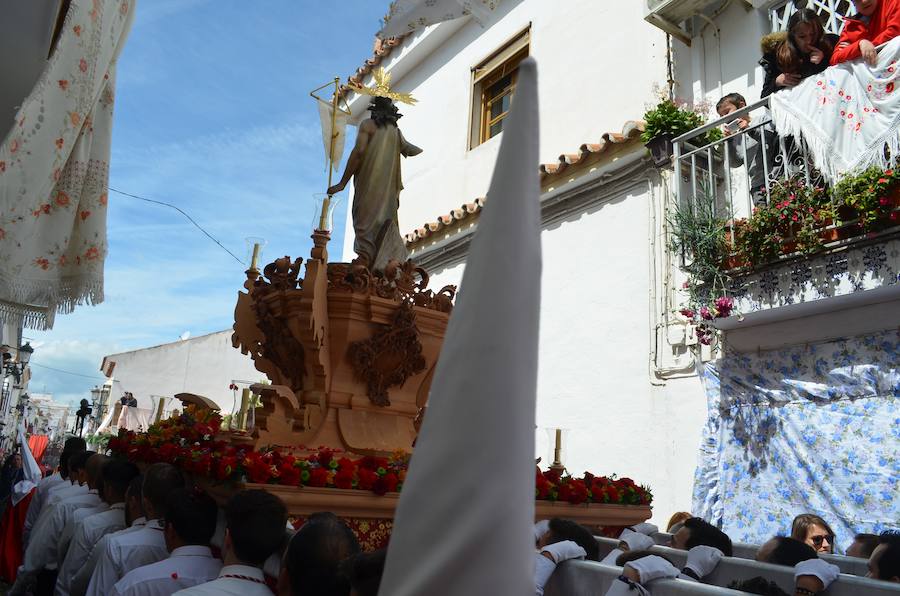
(187, 566)
(64, 491)
(78, 585)
(543, 569)
(38, 501)
(232, 585)
(42, 552)
(78, 516)
(54, 496)
(88, 534)
(125, 552)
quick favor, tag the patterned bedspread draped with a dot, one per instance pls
(805, 429)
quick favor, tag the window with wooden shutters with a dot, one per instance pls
(493, 86)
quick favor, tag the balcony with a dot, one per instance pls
(776, 239)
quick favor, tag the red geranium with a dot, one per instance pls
(318, 477)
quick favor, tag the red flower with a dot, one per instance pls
(367, 479)
(324, 457)
(343, 479)
(225, 467)
(290, 476)
(318, 477)
(83, 65)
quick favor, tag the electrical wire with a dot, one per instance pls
(179, 210)
(68, 372)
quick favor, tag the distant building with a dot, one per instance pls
(205, 365)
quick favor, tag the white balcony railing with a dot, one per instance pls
(730, 170)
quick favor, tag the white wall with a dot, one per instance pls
(724, 59)
(597, 64)
(594, 377)
(204, 365)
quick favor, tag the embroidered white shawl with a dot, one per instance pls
(54, 165)
(847, 115)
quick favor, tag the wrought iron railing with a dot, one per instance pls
(737, 171)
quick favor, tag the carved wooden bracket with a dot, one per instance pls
(389, 357)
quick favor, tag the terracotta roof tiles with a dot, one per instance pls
(631, 130)
(381, 50)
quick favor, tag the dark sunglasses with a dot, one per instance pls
(817, 540)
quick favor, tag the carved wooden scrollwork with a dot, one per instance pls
(390, 357)
(402, 282)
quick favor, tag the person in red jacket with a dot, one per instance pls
(875, 22)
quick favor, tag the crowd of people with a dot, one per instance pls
(98, 527)
(811, 536)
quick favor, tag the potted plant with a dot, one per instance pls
(870, 197)
(791, 222)
(669, 119)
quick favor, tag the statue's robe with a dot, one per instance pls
(376, 198)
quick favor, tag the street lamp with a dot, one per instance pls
(18, 367)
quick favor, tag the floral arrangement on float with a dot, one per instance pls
(191, 442)
(552, 485)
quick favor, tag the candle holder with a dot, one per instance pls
(255, 246)
(323, 215)
(556, 452)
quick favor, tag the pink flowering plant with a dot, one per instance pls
(870, 196)
(789, 223)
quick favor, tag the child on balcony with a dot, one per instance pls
(791, 56)
(750, 145)
(875, 22)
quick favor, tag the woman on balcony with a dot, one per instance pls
(875, 22)
(791, 56)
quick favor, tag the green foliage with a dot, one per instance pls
(792, 220)
(698, 233)
(668, 117)
(869, 196)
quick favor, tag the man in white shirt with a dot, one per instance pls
(191, 517)
(117, 475)
(254, 521)
(59, 478)
(134, 520)
(142, 547)
(40, 555)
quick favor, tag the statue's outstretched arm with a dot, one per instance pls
(407, 149)
(356, 156)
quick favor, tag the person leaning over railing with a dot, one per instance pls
(875, 22)
(790, 56)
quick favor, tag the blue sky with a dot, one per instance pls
(213, 114)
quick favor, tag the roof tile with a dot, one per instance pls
(632, 129)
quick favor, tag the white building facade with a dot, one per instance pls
(206, 365)
(617, 369)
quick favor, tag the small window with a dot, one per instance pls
(494, 83)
